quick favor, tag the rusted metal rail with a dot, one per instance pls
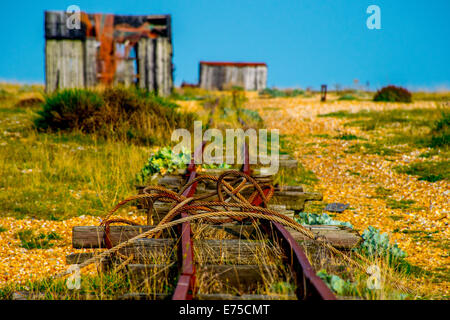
(186, 281)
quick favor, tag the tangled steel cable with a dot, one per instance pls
(228, 195)
(237, 207)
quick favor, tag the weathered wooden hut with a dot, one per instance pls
(108, 49)
(224, 75)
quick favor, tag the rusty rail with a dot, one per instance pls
(309, 285)
(186, 281)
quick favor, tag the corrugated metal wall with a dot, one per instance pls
(220, 76)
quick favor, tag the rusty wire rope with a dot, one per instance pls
(207, 211)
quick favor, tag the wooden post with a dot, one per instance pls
(323, 91)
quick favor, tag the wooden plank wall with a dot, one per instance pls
(64, 65)
(155, 65)
(217, 77)
(90, 62)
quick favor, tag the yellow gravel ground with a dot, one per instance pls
(334, 168)
(18, 264)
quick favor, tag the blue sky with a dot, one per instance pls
(304, 42)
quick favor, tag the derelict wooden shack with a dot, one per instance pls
(224, 75)
(106, 49)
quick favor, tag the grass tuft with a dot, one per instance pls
(430, 171)
(31, 240)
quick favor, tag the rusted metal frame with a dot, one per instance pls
(309, 285)
(186, 281)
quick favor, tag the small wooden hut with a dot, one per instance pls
(108, 49)
(224, 75)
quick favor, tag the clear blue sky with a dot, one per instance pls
(304, 42)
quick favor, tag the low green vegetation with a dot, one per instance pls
(407, 129)
(338, 285)
(319, 219)
(295, 176)
(443, 96)
(431, 171)
(371, 148)
(30, 239)
(228, 111)
(102, 286)
(124, 113)
(382, 192)
(276, 93)
(348, 136)
(378, 244)
(189, 93)
(399, 204)
(347, 97)
(164, 161)
(3, 229)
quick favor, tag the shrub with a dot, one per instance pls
(164, 161)
(393, 94)
(71, 109)
(124, 113)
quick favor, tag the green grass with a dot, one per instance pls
(407, 130)
(276, 93)
(3, 229)
(295, 177)
(323, 136)
(104, 286)
(63, 174)
(347, 97)
(399, 204)
(348, 136)
(431, 171)
(371, 148)
(31, 240)
(382, 192)
(431, 96)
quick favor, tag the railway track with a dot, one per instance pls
(219, 258)
(222, 256)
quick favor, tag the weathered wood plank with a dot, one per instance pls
(90, 63)
(92, 236)
(154, 273)
(338, 236)
(295, 200)
(212, 251)
(239, 277)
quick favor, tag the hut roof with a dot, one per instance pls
(233, 64)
